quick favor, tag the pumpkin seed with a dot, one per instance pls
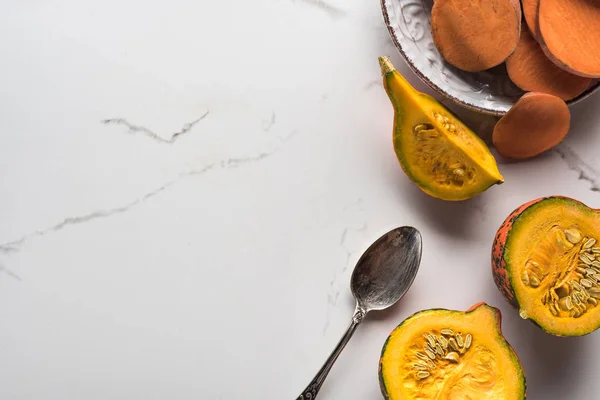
(580, 276)
(590, 271)
(586, 283)
(438, 349)
(565, 304)
(431, 340)
(580, 270)
(586, 259)
(596, 250)
(594, 292)
(453, 344)
(429, 353)
(423, 127)
(452, 356)
(468, 340)
(553, 310)
(447, 331)
(421, 363)
(419, 367)
(573, 235)
(443, 341)
(533, 281)
(422, 356)
(574, 313)
(588, 245)
(422, 374)
(459, 340)
(592, 300)
(584, 294)
(524, 278)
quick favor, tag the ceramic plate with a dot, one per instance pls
(489, 92)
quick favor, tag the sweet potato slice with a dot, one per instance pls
(530, 11)
(536, 123)
(532, 71)
(570, 34)
(475, 35)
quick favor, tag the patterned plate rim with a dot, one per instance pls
(484, 110)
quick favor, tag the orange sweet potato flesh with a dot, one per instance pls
(536, 123)
(532, 71)
(570, 34)
(530, 11)
(475, 35)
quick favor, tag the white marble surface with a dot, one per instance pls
(186, 186)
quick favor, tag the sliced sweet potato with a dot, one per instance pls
(530, 11)
(536, 123)
(475, 35)
(532, 71)
(570, 34)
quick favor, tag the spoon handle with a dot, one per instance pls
(315, 385)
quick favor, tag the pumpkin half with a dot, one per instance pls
(445, 355)
(436, 150)
(546, 263)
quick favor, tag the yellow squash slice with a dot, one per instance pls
(438, 152)
(443, 354)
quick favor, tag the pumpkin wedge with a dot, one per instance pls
(546, 263)
(445, 354)
(438, 152)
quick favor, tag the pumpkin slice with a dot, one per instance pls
(546, 263)
(439, 153)
(446, 354)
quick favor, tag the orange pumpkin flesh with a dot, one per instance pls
(445, 354)
(545, 260)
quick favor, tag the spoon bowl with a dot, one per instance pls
(387, 269)
(382, 275)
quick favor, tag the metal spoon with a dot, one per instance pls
(381, 277)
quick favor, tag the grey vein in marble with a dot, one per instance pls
(268, 124)
(14, 246)
(10, 273)
(334, 294)
(374, 83)
(332, 11)
(332, 299)
(575, 163)
(152, 135)
(240, 161)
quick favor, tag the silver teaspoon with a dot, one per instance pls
(382, 276)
